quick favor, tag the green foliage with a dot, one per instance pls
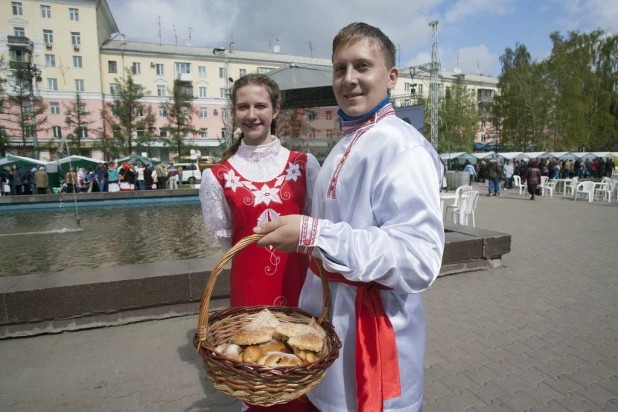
(458, 119)
(180, 111)
(565, 102)
(78, 121)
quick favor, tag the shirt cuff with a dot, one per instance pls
(308, 235)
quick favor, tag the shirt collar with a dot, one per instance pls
(351, 124)
(260, 152)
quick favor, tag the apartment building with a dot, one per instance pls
(75, 46)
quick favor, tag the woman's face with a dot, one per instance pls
(254, 113)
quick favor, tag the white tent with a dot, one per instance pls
(562, 155)
(604, 155)
(536, 155)
(512, 155)
(457, 155)
(483, 155)
(20, 160)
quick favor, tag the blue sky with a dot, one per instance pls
(479, 30)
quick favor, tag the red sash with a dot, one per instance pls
(377, 366)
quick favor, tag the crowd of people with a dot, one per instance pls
(24, 180)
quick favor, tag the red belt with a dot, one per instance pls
(377, 366)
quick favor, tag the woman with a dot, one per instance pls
(81, 180)
(257, 181)
(113, 177)
(70, 179)
(533, 177)
(509, 170)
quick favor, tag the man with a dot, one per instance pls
(101, 176)
(172, 176)
(161, 176)
(41, 181)
(378, 231)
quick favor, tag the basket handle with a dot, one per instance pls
(202, 328)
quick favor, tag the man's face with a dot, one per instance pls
(361, 79)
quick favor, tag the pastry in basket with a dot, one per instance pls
(309, 341)
(253, 353)
(278, 359)
(231, 351)
(251, 336)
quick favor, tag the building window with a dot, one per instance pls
(312, 115)
(112, 67)
(27, 108)
(160, 69)
(183, 68)
(420, 89)
(76, 38)
(162, 133)
(223, 132)
(54, 108)
(312, 134)
(3, 131)
(204, 133)
(225, 113)
(74, 14)
(81, 108)
(223, 93)
(77, 62)
(113, 88)
(483, 124)
(160, 90)
(19, 32)
(264, 70)
(79, 85)
(203, 91)
(112, 109)
(50, 60)
(139, 90)
(483, 138)
(84, 132)
(17, 10)
(52, 84)
(201, 71)
(137, 68)
(162, 111)
(184, 111)
(222, 73)
(48, 36)
(329, 115)
(242, 72)
(329, 134)
(139, 112)
(203, 112)
(57, 131)
(46, 12)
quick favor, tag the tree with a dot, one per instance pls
(23, 109)
(124, 115)
(294, 124)
(180, 111)
(458, 119)
(78, 121)
(146, 137)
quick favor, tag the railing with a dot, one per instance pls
(21, 42)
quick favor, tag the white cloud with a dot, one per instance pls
(586, 15)
(464, 8)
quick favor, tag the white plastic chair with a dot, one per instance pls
(584, 188)
(456, 203)
(550, 186)
(519, 185)
(606, 188)
(544, 180)
(570, 186)
(466, 208)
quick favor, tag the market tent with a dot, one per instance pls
(460, 156)
(21, 161)
(585, 155)
(536, 155)
(512, 155)
(133, 158)
(76, 162)
(604, 155)
(562, 155)
(482, 155)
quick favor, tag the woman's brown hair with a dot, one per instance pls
(275, 99)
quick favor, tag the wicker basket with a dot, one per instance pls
(249, 382)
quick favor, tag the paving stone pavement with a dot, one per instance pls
(539, 334)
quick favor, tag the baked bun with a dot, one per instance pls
(279, 359)
(288, 330)
(231, 351)
(274, 346)
(251, 336)
(308, 341)
(251, 354)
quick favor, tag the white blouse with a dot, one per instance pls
(258, 164)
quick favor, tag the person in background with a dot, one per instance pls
(31, 184)
(468, 167)
(172, 176)
(101, 174)
(15, 181)
(70, 180)
(113, 177)
(139, 173)
(179, 175)
(91, 177)
(509, 170)
(533, 177)
(81, 180)
(161, 175)
(41, 181)
(148, 180)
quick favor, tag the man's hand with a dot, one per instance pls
(282, 233)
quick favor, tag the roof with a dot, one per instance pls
(305, 85)
(171, 50)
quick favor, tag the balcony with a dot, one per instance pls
(184, 77)
(17, 65)
(20, 43)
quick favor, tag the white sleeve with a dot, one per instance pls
(215, 210)
(312, 170)
(404, 250)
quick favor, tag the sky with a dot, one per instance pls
(472, 34)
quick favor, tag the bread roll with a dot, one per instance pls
(231, 351)
(251, 354)
(279, 359)
(308, 341)
(274, 346)
(288, 330)
(250, 336)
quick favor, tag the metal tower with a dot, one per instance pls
(433, 83)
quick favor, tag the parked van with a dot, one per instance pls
(190, 173)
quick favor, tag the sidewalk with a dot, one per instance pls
(539, 334)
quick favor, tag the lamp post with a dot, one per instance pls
(33, 75)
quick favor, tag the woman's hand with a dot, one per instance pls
(282, 233)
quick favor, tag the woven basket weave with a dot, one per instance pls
(249, 382)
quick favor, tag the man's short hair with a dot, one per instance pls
(355, 32)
